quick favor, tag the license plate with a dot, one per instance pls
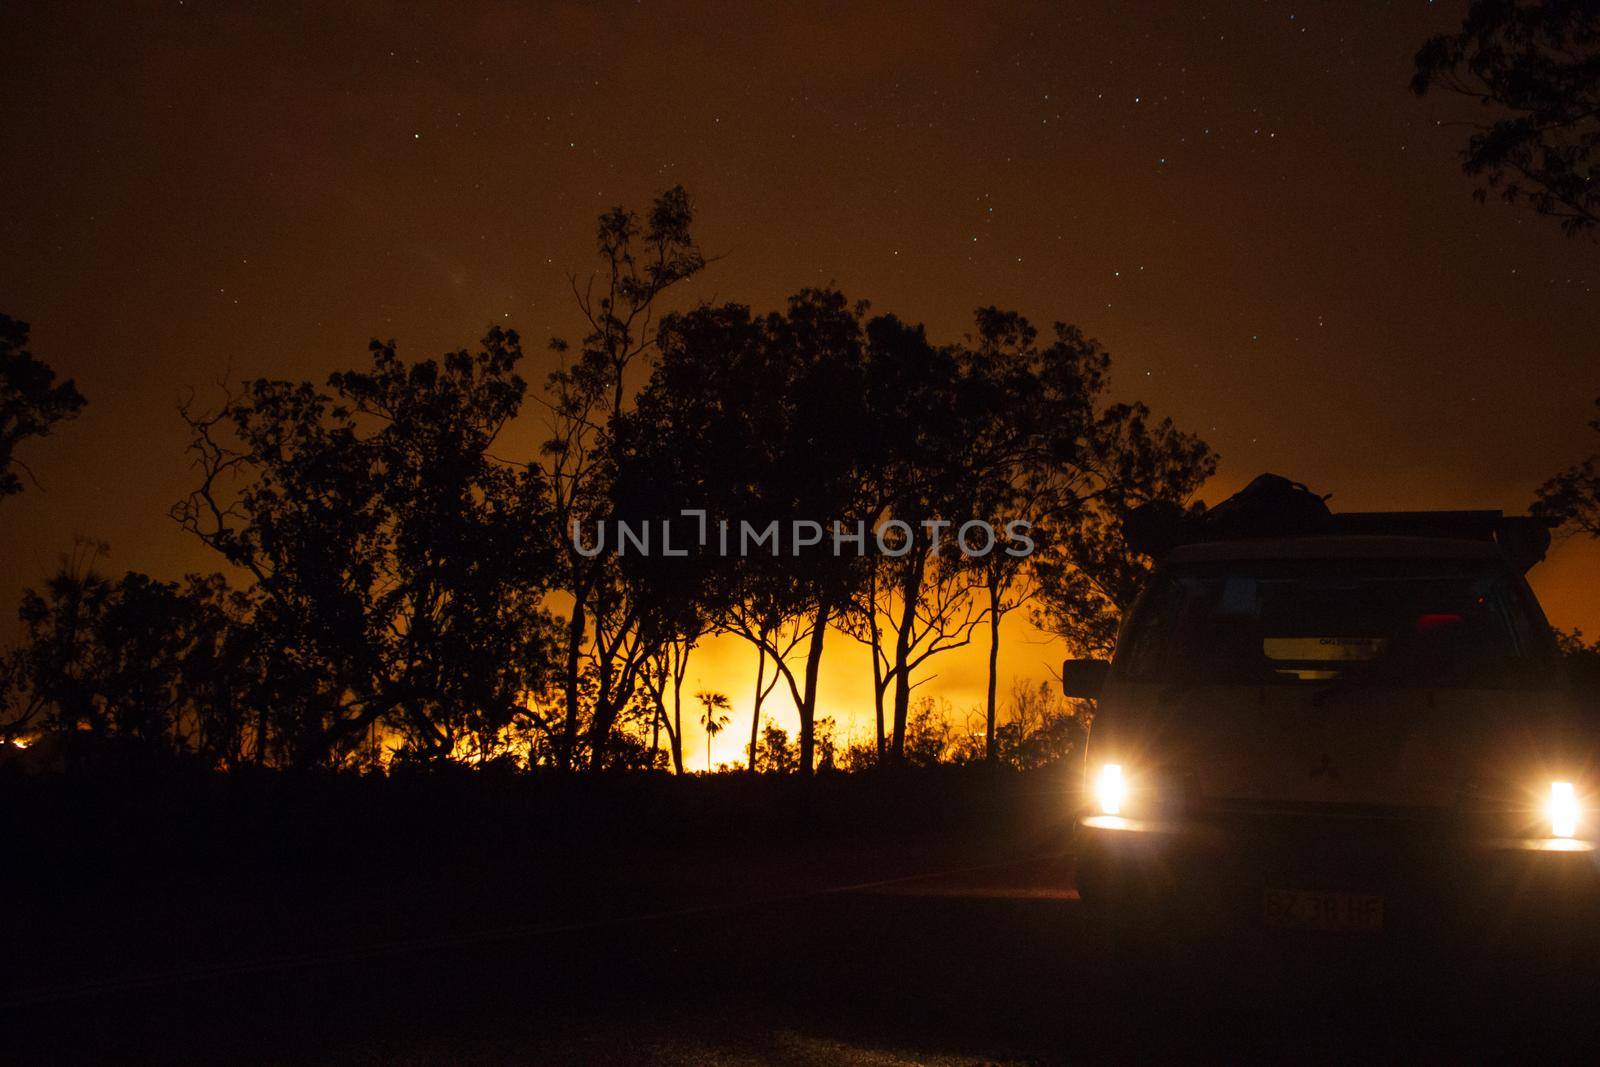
(1313, 909)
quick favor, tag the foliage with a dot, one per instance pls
(1087, 574)
(1582, 660)
(929, 734)
(609, 635)
(1573, 496)
(399, 573)
(821, 414)
(775, 753)
(31, 401)
(1535, 68)
(164, 667)
(1043, 726)
(714, 717)
(753, 420)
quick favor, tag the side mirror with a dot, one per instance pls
(1084, 678)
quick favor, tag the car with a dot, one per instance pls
(1353, 725)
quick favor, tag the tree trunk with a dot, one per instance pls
(910, 594)
(878, 685)
(599, 736)
(679, 666)
(994, 662)
(569, 731)
(655, 730)
(673, 748)
(808, 706)
(601, 717)
(261, 736)
(755, 714)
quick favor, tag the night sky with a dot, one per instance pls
(1243, 202)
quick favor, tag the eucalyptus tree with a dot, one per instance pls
(820, 344)
(681, 460)
(1029, 450)
(1087, 574)
(662, 676)
(606, 636)
(1533, 72)
(395, 577)
(914, 602)
(756, 423)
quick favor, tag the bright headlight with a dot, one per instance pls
(1562, 809)
(1110, 790)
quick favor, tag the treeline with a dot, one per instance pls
(397, 587)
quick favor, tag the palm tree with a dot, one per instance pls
(712, 720)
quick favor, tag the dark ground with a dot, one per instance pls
(951, 937)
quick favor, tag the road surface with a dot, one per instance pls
(992, 961)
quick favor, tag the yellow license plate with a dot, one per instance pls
(1315, 909)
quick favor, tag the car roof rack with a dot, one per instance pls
(1273, 507)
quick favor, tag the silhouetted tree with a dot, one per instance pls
(19, 705)
(915, 608)
(157, 667)
(925, 413)
(814, 413)
(31, 401)
(1042, 726)
(663, 674)
(629, 746)
(1037, 462)
(1087, 574)
(49, 672)
(824, 729)
(1572, 497)
(861, 757)
(1535, 68)
(1582, 659)
(605, 631)
(928, 735)
(763, 689)
(756, 421)
(713, 717)
(397, 563)
(776, 751)
(665, 459)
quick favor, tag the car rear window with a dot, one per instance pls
(1291, 622)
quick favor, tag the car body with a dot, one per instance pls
(1338, 732)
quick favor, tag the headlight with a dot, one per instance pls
(1562, 810)
(1110, 790)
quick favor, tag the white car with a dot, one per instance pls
(1345, 731)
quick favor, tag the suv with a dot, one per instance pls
(1361, 724)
